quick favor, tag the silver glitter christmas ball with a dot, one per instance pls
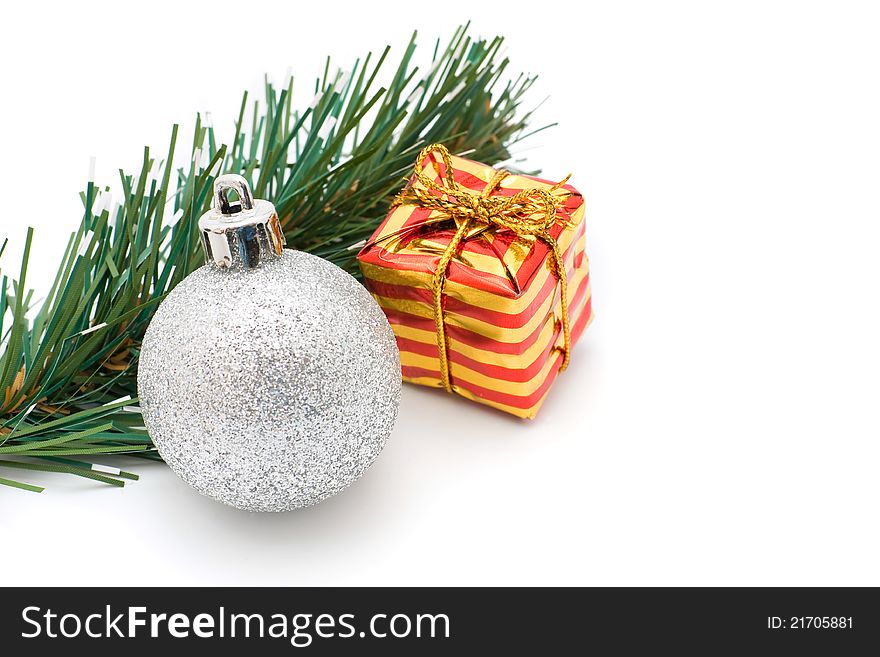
(270, 383)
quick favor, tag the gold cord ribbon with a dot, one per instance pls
(528, 212)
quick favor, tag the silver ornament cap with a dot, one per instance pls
(243, 233)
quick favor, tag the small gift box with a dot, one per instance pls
(484, 279)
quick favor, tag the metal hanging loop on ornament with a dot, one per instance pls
(242, 234)
(232, 182)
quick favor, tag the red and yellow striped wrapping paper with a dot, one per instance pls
(501, 299)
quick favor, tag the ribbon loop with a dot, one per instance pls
(530, 212)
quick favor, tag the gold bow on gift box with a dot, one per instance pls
(530, 212)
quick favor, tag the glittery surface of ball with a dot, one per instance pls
(269, 389)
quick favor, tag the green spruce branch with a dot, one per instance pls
(68, 365)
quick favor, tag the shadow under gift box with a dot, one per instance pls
(501, 299)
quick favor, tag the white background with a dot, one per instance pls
(718, 424)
